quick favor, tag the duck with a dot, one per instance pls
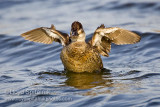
(77, 55)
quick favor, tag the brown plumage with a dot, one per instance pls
(80, 57)
(42, 35)
(77, 55)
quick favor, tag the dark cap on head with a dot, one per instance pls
(76, 26)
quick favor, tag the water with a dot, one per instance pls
(31, 74)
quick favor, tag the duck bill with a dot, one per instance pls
(74, 33)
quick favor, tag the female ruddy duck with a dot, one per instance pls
(77, 55)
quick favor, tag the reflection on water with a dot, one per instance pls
(32, 74)
(97, 83)
(86, 80)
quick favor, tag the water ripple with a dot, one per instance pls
(32, 74)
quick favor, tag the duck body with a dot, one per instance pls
(81, 57)
(77, 55)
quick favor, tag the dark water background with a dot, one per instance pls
(31, 74)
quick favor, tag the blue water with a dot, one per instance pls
(32, 75)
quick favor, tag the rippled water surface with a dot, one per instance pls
(32, 75)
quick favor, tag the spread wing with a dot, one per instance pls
(46, 35)
(103, 37)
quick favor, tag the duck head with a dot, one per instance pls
(77, 33)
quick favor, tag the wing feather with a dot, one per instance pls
(125, 37)
(103, 37)
(46, 35)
